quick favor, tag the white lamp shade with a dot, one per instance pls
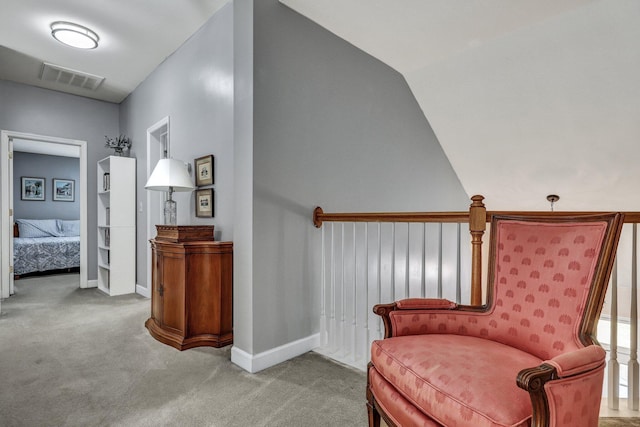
(169, 173)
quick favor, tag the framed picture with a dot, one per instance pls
(204, 203)
(32, 188)
(204, 170)
(64, 190)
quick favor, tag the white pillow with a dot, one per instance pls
(38, 227)
(69, 227)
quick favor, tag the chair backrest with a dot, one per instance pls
(547, 280)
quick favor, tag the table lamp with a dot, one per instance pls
(170, 175)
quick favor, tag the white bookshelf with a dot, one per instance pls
(117, 225)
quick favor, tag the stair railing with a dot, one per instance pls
(371, 258)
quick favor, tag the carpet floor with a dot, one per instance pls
(619, 422)
(76, 357)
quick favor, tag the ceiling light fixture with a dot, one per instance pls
(74, 35)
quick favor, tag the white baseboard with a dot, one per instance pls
(92, 283)
(257, 362)
(142, 290)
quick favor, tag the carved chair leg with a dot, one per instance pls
(374, 416)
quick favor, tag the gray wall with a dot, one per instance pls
(48, 167)
(336, 128)
(317, 122)
(194, 87)
(45, 112)
(243, 175)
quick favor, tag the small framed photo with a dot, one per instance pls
(204, 170)
(204, 203)
(32, 188)
(64, 190)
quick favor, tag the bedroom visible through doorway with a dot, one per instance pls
(24, 195)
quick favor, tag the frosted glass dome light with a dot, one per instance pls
(74, 35)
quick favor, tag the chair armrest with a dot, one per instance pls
(565, 367)
(576, 362)
(384, 310)
(425, 304)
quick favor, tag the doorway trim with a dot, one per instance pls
(6, 217)
(158, 146)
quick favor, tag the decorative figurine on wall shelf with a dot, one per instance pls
(119, 144)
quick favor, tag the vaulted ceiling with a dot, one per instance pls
(527, 97)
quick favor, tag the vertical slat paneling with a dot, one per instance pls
(399, 265)
(613, 391)
(365, 264)
(415, 265)
(464, 244)
(346, 285)
(432, 259)
(323, 290)
(458, 266)
(387, 256)
(336, 271)
(449, 262)
(633, 394)
(362, 319)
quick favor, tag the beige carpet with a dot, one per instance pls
(619, 422)
(76, 357)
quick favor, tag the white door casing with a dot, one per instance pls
(6, 217)
(158, 147)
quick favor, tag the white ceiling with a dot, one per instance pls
(527, 97)
(135, 37)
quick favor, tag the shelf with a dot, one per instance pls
(116, 225)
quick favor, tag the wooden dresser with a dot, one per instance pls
(192, 288)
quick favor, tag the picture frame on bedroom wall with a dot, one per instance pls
(64, 190)
(33, 189)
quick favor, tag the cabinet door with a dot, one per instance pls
(156, 295)
(173, 292)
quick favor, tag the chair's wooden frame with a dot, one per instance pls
(532, 379)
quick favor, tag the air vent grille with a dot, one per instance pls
(69, 77)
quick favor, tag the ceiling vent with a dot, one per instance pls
(69, 77)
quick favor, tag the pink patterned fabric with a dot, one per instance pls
(575, 401)
(401, 411)
(578, 361)
(456, 380)
(459, 368)
(543, 272)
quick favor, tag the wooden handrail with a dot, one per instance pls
(450, 217)
(319, 216)
(477, 217)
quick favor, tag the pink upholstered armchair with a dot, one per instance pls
(527, 358)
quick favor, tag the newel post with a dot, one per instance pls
(317, 213)
(477, 227)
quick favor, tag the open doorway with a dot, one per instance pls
(45, 145)
(158, 147)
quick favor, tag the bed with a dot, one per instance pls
(45, 245)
